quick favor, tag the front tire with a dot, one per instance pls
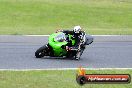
(41, 52)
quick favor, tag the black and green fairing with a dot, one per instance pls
(57, 40)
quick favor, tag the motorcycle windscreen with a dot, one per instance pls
(60, 38)
(89, 39)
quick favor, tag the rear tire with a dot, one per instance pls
(41, 52)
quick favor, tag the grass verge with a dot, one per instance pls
(54, 79)
(45, 16)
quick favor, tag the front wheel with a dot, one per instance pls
(41, 52)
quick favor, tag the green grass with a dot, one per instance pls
(45, 16)
(54, 79)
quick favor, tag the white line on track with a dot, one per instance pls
(35, 35)
(66, 69)
(92, 35)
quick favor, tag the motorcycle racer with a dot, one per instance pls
(77, 35)
(65, 43)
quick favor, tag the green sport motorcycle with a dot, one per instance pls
(57, 43)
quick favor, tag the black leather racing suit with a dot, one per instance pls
(76, 36)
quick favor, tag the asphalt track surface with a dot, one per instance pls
(100, 54)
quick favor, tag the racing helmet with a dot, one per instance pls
(77, 29)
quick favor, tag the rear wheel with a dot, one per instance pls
(41, 52)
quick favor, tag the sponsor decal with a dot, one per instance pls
(83, 78)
